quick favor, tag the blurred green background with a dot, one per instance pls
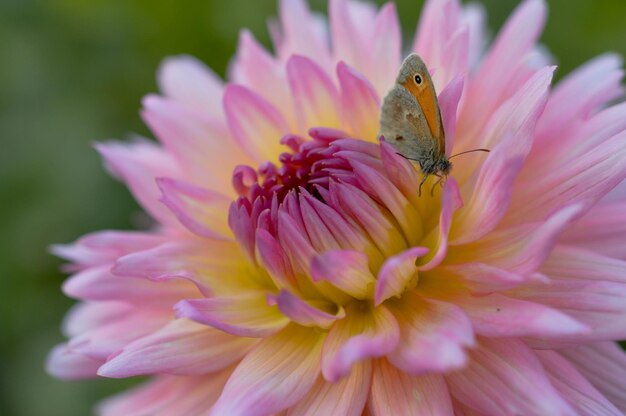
(73, 72)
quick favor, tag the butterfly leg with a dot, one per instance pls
(439, 181)
(419, 193)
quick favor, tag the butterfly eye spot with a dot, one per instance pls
(418, 79)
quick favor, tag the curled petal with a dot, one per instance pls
(309, 313)
(397, 273)
(244, 315)
(433, 335)
(450, 202)
(275, 260)
(360, 335)
(348, 270)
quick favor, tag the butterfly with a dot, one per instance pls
(410, 121)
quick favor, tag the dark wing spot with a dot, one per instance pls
(399, 138)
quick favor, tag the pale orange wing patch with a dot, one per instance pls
(427, 99)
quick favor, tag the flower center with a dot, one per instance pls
(310, 166)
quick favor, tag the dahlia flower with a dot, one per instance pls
(293, 268)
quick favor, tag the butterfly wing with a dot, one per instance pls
(426, 97)
(404, 125)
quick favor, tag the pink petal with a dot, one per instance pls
(504, 377)
(98, 283)
(319, 232)
(295, 242)
(102, 247)
(167, 395)
(490, 198)
(244, 315)
(394, 392)
(203, 212)
(473, 15)
(360, 335)
(66, 364)
(370, 216)
(347, 270)
(590, 294)
(380, 188)
(574, 387)
(255, 123)
(275, 260)
(308, 313)
(258, 70)
(384, 49)
(570, 263)
(347, 234)
(511, 126)
(350, 26)
(138, 164)
(604, 365)
(448, 102)
(203, 146)
(450, 202)
(190, 82)
(602, 230)
(85, 316)
(181, 347)
(302, 33)
(437, 40)
(494, 75)
(601, 80)
(482, 278)
(101, 341)
(344, 397)
(497, 315)
(397, 273)
(583, 179)
(315, 97)
(527, 248)
(433, 335)
(273, 376)
(203, 262)
(401, 173)
(360, 103)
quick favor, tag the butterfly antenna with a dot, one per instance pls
(470, 151)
